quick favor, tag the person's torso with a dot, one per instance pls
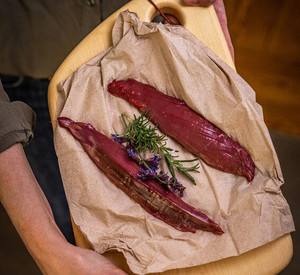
(36, 36)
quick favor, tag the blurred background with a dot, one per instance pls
(266, 37)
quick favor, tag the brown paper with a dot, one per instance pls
(175, 62)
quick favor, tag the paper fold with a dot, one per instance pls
(176, 63)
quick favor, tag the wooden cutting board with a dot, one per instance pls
(203, 23)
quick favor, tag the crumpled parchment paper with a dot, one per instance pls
(178, 64)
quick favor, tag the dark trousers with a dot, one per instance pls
(40, 152)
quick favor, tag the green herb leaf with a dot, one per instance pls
(143, 137)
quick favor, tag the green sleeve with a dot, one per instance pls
(17, 121)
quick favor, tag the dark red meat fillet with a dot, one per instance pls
(112, 158)
(175, 119)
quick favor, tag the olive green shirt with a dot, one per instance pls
(17, 121)
(37, 35)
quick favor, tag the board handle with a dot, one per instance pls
(200, 21)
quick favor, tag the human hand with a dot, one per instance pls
(89, 262)
(81, 261)
(31, 214)
(221, 13)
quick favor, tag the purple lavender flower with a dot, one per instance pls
(133, 155)
(176, 186)
(119, 139)
(163, 177)
(150, 167)
(146, 174)
(153, 163)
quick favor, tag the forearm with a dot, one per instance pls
(27, 206)
(31, 215)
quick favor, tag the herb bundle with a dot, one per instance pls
(141, 138)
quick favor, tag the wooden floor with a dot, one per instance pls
(266, 37)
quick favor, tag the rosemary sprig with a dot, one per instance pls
(142, 136)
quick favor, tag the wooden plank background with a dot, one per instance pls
(266, 37)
